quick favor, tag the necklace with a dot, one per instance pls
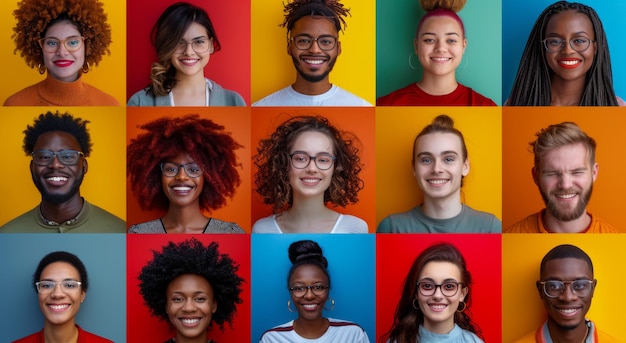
(586, 333)
(53, 223)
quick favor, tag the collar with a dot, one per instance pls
(543, 333)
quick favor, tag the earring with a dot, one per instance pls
(415, 307)
(41, 68)
(411, 64)
(461, 308)
(289, 306)
(85, 67)
(332, 305)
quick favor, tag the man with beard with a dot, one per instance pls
(564, 171)
(566, 287)
(59, 145)
(313, 43)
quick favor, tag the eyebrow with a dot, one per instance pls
(446, 152)
(575, 33)
(196, 38)
(446, 34)
(444, 281)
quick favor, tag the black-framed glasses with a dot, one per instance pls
(67, 286)
(66, 157)
(318, 289)
(52, 44)
(171, 169)
(554, 288)
(448, 288)
(301, 160)
(578, 44)
(304, 42)
(198, 45)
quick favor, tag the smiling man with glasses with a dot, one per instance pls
(59, 145)
(566, 287)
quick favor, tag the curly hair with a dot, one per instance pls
(62, 256)
(330, 9)
(273, 163)
(34, 18)
(307, 252)
(192, 257)
(209, 145)
(165, 36)
(48, 122)
(532, 86)
(407, 319)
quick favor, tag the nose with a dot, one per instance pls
(438, 293)
(309, 294)
(189, 306)
(62, 50)
(312, 167)
(182, 174)
(189, 48)
(57, 291)
(315, 47)
(436, 166)
(568, 294)
(567, 48)
(55, 163)
(565, 181)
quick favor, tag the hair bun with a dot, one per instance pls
(305, 250)
(453, 5)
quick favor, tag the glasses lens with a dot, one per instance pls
(49, 286)
(553, 44)
(198, 45)
(72, 43)
(581, 288)
(324, 161)
(324, 42)
(449, 289)
(300, 160)
(66, 157)
(169, 169)
(553, 288)
(427, 288)
(317, 289)
(579, 44)
(193, 170)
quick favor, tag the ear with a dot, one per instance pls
(594, 171)
(539, 289)
(214, 306)
(32, 166)
(466, 167)
(464, 292)
(82, 296)
(415, 45)
(464, 45)
(595, 283)
(535, 174)
(338, 47)
(85, 166)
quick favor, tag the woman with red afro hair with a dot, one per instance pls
(184, 166)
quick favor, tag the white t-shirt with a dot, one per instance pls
(344, 224)
(338, 331)
(335, 96)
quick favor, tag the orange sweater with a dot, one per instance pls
(54, 92)
(534, 224)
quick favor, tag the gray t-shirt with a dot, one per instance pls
(415, 221)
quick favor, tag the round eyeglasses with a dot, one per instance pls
(448, 289)
(170, 169)
(198, 45)
(301, 160)
(578, 44)
(554, 288)
(304, 42)
(52, 44)
(66, 157)
(318, 289)
(67, 286)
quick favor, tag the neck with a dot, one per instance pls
(182, 339)
(442, 208)
(438, 84)
(439, 327)
(62, 212)
(558, 226)
(187, 219)
(308, 214)
(63, 333)
(566, 93)
(576, 335)
(313, 328)
(189, 82)
(303, 86)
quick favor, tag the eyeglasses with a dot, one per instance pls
(304, 42)
(198, 45)
(71, 43)
(554, 288)
(448, 289)
(170, 169)
(578, 44)
(301, 160)
(66, 157)
(318, 289)
(67, 286)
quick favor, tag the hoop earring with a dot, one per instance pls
(289, 306)
(41, 68)
(85, 68)
(415, 307)
(411, 64)
(461, 309)
(332, 305)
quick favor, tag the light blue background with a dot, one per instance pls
(518, 18)
(104, 310)
(351, 265)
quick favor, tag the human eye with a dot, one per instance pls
(426, 160)
(51, 42)
(427, 286)
(176, 299)
(43, 155)
(580, 40)
(428, 40)
(70, 284)
(580, 285)
(298, 289)
(324, 159)
(449, 159)
(74, 42)
(303, 40)
(200, 299)
(319, 287)
(326, 41)
(194, 168)
(300, 158)
(67, 155)
(554, 285)
(46, 284)
(451, 41)
(449, 286)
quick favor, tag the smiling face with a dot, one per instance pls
(311, 181)
(439, 165)
(437, 308)
(310, 305)
(57, 182)
(569, 64)
(182, 190)
(565, 179)
(313, 64)
(567, 311)
(62, 64)
(188, 62)
(60, 306)
(439, 45)
(190, 305)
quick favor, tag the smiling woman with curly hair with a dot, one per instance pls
(64, 38)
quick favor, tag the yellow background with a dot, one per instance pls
(109, 76)
(396, 128)
(522, 309)
(272, 68)
(105, 182)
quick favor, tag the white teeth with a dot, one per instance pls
(182, 189)
(565, 196)
(438, 307)
(314, 61)
(437, 182)
(310, 180)
(309, 306)
(59, 307)
(568, 310)
(57, 178)
(190, 321)
(441, 59)
(569, 63)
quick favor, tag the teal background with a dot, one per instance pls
(480, 69)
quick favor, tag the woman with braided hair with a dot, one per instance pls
(64, 38)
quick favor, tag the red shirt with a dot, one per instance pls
(412, 95)
(83, 337)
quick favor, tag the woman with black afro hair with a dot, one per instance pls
(64, 38)
(191, 287)
(183, 166)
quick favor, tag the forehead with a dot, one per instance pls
(312, 140)
(62, 29)
(438, 141)
(308, 273)
(181, 158)
(441, 24)
(566, 269)
(314, 26)
(55, 141)
(566, 156)
(571, 22)
(189, 283)
(440, 270)
(195, 30)
(60, 270)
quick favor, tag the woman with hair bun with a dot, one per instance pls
(308, 282)
(440, 162)
(439, 45)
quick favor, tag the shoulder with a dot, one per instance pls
(278, 98)
(88, 337)
(526, 225)
(143, 98)
(397, 97)
(350, 224)
(24, 97)
(476, 98)
(153, 226)
(620, 101)
(278, 333)
(106, 221)
(266, 225)
(345, 98)
(98, 97)
(225, 97)
(599, 225)
(345, 331)
(483, 221)
(403, 222)
(33, 338)
(220, 226)
(21, 223)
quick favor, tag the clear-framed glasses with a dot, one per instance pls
(578, 44)
(170, 169)
(301, 160)
(448, 288)
(304, 42)
(67, 286)
(52, 44)
(318, 289)
(554, 288)
(198, 45)
(66, 157)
